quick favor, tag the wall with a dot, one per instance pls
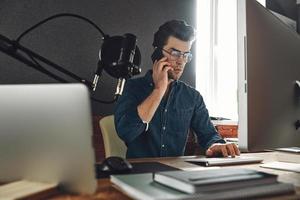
(75, 45)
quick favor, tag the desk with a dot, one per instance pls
(108, 192)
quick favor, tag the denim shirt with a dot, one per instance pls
(184, 108)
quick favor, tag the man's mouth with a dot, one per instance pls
(177, 70)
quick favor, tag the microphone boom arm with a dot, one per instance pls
(11, 48)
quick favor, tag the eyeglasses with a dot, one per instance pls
(175, 54)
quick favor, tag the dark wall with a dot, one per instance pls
(75, 45)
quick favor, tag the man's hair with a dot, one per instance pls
(176, 28)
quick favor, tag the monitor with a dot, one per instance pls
(268, 68)
(46, 135)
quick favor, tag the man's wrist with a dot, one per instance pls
(159, 92)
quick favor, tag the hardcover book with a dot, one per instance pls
(142, 186)
(212, 180)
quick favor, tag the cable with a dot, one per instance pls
(57, 16)
(41, 68)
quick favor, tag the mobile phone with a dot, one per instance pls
(157, 55)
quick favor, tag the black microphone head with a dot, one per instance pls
(121, 56)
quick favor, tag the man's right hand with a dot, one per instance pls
(148, 107)
(160, 74)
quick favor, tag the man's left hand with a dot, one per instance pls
(225, 150)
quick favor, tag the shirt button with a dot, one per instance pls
(164, 128)
(163, 146)
(166, 110)
(151, 84)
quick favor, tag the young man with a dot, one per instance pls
(155, 112)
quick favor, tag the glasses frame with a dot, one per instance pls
(187, 56)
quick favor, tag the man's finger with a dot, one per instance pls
(230, 150)
(209, 152)
(167, 68)
(162, 65)
(236, 149)
(224, 150)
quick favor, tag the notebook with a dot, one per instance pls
(213, 180)
(286, 166)
(46, 135)
(224, 161)
(141, 186)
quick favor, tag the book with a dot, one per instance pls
(290, 149)
(288, 157)
(212, 180)
(224, 161)
(286, 166)
(27, 189)
(142, 186)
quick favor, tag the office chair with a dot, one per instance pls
(113, 145)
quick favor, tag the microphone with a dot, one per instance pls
(98, 74)
(120, 86)
(120, 57)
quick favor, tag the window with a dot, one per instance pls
(216, 70)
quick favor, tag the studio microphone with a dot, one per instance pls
(97, 74)
(120, 58)
(120, 86)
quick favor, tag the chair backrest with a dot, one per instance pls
(113, 145)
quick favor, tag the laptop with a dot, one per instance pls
(238, 160)
(46, 135)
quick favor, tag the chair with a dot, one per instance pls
(113, 145)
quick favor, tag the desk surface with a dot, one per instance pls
(107, 191)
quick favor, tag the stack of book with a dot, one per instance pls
(291, 154)
(288, 159)
(204, 184)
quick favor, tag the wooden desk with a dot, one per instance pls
(108, 192)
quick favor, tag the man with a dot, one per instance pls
(155, 112)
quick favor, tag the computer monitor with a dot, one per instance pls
(268, 68)
(46, 135)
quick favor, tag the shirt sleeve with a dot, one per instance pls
(127, 121)
(202, 125)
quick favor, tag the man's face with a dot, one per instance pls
(177, 64)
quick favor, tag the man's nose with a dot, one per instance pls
(181, 60)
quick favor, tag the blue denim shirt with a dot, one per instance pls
(168, 129)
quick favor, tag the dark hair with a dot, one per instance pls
(176, 28)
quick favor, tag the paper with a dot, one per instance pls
(294, 167)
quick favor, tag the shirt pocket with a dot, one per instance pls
(179, 120)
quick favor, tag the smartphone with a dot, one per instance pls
(157, 55)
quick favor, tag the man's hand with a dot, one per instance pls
(225, 150)
(160, 74)
(149, 106)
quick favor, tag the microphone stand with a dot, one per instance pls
(13, 48)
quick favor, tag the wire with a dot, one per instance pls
(41, 68)
(57, 16)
